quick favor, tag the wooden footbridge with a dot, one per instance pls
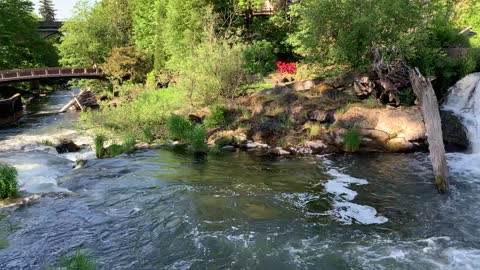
(21, 75)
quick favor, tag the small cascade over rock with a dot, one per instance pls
(464, 101)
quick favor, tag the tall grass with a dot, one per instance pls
(216, 117)
(8, 181)
(351, 140)
(181, 129)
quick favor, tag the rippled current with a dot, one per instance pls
(166, 209)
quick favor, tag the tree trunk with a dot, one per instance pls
(431, 115)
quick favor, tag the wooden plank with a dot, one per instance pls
(431, 115)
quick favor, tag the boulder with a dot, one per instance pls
(67, 146)
(455, 136)
(278, 151)
(321, 116)
(317, 146)
(385, 129)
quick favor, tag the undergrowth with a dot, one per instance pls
(78, 261)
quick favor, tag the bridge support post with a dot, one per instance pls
(35, 86)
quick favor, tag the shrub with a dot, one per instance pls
(179, 127)
(259, 58)
(127, 64)
(351, 140)
(216, 118)
(8, 181)
(78, 261)
(147, 134)
(215, 71)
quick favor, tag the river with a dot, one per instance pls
(169, 210)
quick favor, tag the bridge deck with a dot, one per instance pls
(44, 73)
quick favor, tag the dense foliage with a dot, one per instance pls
(20, 44)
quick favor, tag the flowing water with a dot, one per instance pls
(169, 210)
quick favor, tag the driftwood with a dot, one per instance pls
(86, 99)
(431, 115)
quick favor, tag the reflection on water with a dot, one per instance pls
(169, 210)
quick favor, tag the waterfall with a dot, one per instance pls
(464, 101)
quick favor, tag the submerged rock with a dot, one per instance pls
(67, 146)
(278, 151)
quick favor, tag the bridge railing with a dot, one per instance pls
(48, 72)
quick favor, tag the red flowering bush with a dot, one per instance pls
(286, 67)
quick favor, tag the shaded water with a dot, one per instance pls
(169, 210)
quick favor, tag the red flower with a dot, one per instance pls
(286, 67)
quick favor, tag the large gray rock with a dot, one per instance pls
(454, 134)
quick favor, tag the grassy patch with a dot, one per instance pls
(149, 110)
(78, 261)
(370, 103)
(314, 129)
(351, 140)
(47, 143)
(256, 87)
(8, 181)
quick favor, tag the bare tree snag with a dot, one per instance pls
(431, 115)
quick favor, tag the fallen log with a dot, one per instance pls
(85, 99)
(431, 116)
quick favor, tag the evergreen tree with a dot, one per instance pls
(47, 11)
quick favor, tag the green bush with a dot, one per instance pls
(216, 117)
(260, 58)
(214, 71)
(8, 181)
(78, 261)
(179, 127)
(196, 135)
(351, 140)
(147, 134)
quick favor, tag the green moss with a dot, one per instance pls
(440, 184)
(8, 181)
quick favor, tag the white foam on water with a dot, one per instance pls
(462, 259)
(38, 171)
(464, 101)
(345, 211)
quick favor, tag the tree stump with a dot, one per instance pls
(433, 124)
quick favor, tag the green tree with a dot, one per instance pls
(346, 31)
(92, 33)
(20, 44)
(47, 11)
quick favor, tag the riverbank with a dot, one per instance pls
(310, 117)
